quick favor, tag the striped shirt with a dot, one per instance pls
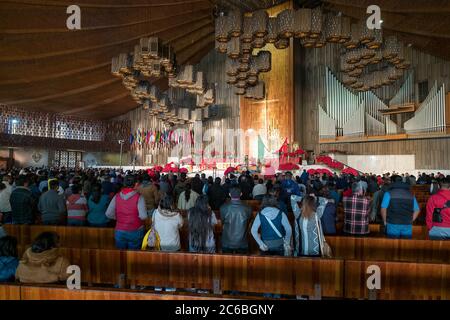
(76, 207)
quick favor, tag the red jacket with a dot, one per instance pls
(438, 200)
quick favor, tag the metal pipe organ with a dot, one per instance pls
(430, 116)
(350, 110)
(327, 126)
(406, 93)
(392, 127)
(341, 103)
(355, 126)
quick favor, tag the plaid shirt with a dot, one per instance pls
(357, 211)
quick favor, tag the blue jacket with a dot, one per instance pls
(290, 187)
(96, 214)
(8, 266)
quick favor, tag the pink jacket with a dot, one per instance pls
(128, 209)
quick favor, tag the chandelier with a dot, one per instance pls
(150, 60)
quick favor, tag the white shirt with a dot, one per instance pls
(168, 230)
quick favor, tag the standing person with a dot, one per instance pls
(150, 193)
(216, 194)
(399, 208)
(98, 204)
(276, 231)
(180, 186)
(52, 206)
(438, 215)
(42, 262)
(246, 188)
(187, 198)
(201, 221)
(290, 187)
(235, 216)
(22, 202)
(307, 218)
(8, 258)
(76, 207)
(197, 184)
(259, 190)
(128, 209)
(356, 211)
(5, 206)
(167, 223)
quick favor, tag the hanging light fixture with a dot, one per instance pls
(272, 30)
(235, 23)
(308, 42)
(263, 61)
(353, 42)
(366, 34)
(247, 31)
(332, 27)
(321, 41)
(377, 57)
(353, 56)
(221, 46)
(346, 30)
(367, 54)
(231, 80)
(390, 49)
(233, 48)
(302, 23)
(286, 23)
(258, 43)
(259, 20)
(246, 47)
(316, 23)
(348, 80)
(231, 67)
(282, 43)
(252, 80)
(377, 40)
(222, 28)
(346, 67)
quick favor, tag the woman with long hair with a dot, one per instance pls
(42, 262)
(98, 203)
(187, 198)
(201, 227)
(307, 220)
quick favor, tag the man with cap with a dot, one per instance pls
(128, 209)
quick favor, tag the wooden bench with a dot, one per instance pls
(399, 280)
(356, 248)
(213, 272)
(60, 292)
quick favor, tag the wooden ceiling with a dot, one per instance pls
(44, 66)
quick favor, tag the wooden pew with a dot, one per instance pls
(250, 274)
(354, 248)
(30, 292)
(399, 280)
(9, 291)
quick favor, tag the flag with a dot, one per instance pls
(261, 147)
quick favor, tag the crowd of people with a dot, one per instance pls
(126, 200)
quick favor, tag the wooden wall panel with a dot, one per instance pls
(277, 110)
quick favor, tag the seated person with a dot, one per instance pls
(8, 258)
(42, 263)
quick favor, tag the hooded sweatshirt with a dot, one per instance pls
(44, 267)
(271, 214)
(8, 266)
(128, 209)
(168, 223)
